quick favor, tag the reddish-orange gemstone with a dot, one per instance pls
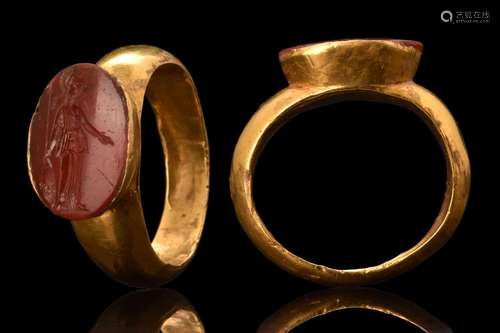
(78, 142)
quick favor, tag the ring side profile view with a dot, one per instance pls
(84, 153)
(373, 70)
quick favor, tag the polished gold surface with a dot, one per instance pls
(323, 302)
(351, 62)
(368, 70)
(118, 240)
(148, 311)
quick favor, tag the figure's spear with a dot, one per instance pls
(48, 136)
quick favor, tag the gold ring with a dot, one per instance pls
(84, 152)
(364, 69)
(323, 302)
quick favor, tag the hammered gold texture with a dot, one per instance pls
(367, 70)
(351, 62)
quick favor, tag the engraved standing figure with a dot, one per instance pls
(67, 144)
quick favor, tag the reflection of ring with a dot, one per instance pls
(84, 160)
(149, 311)
(323, 302)
(371, 70)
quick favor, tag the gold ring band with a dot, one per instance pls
(368, 70)
(116, 238)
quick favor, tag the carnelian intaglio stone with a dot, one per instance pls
(78, 142)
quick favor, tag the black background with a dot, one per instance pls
(346, 185)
